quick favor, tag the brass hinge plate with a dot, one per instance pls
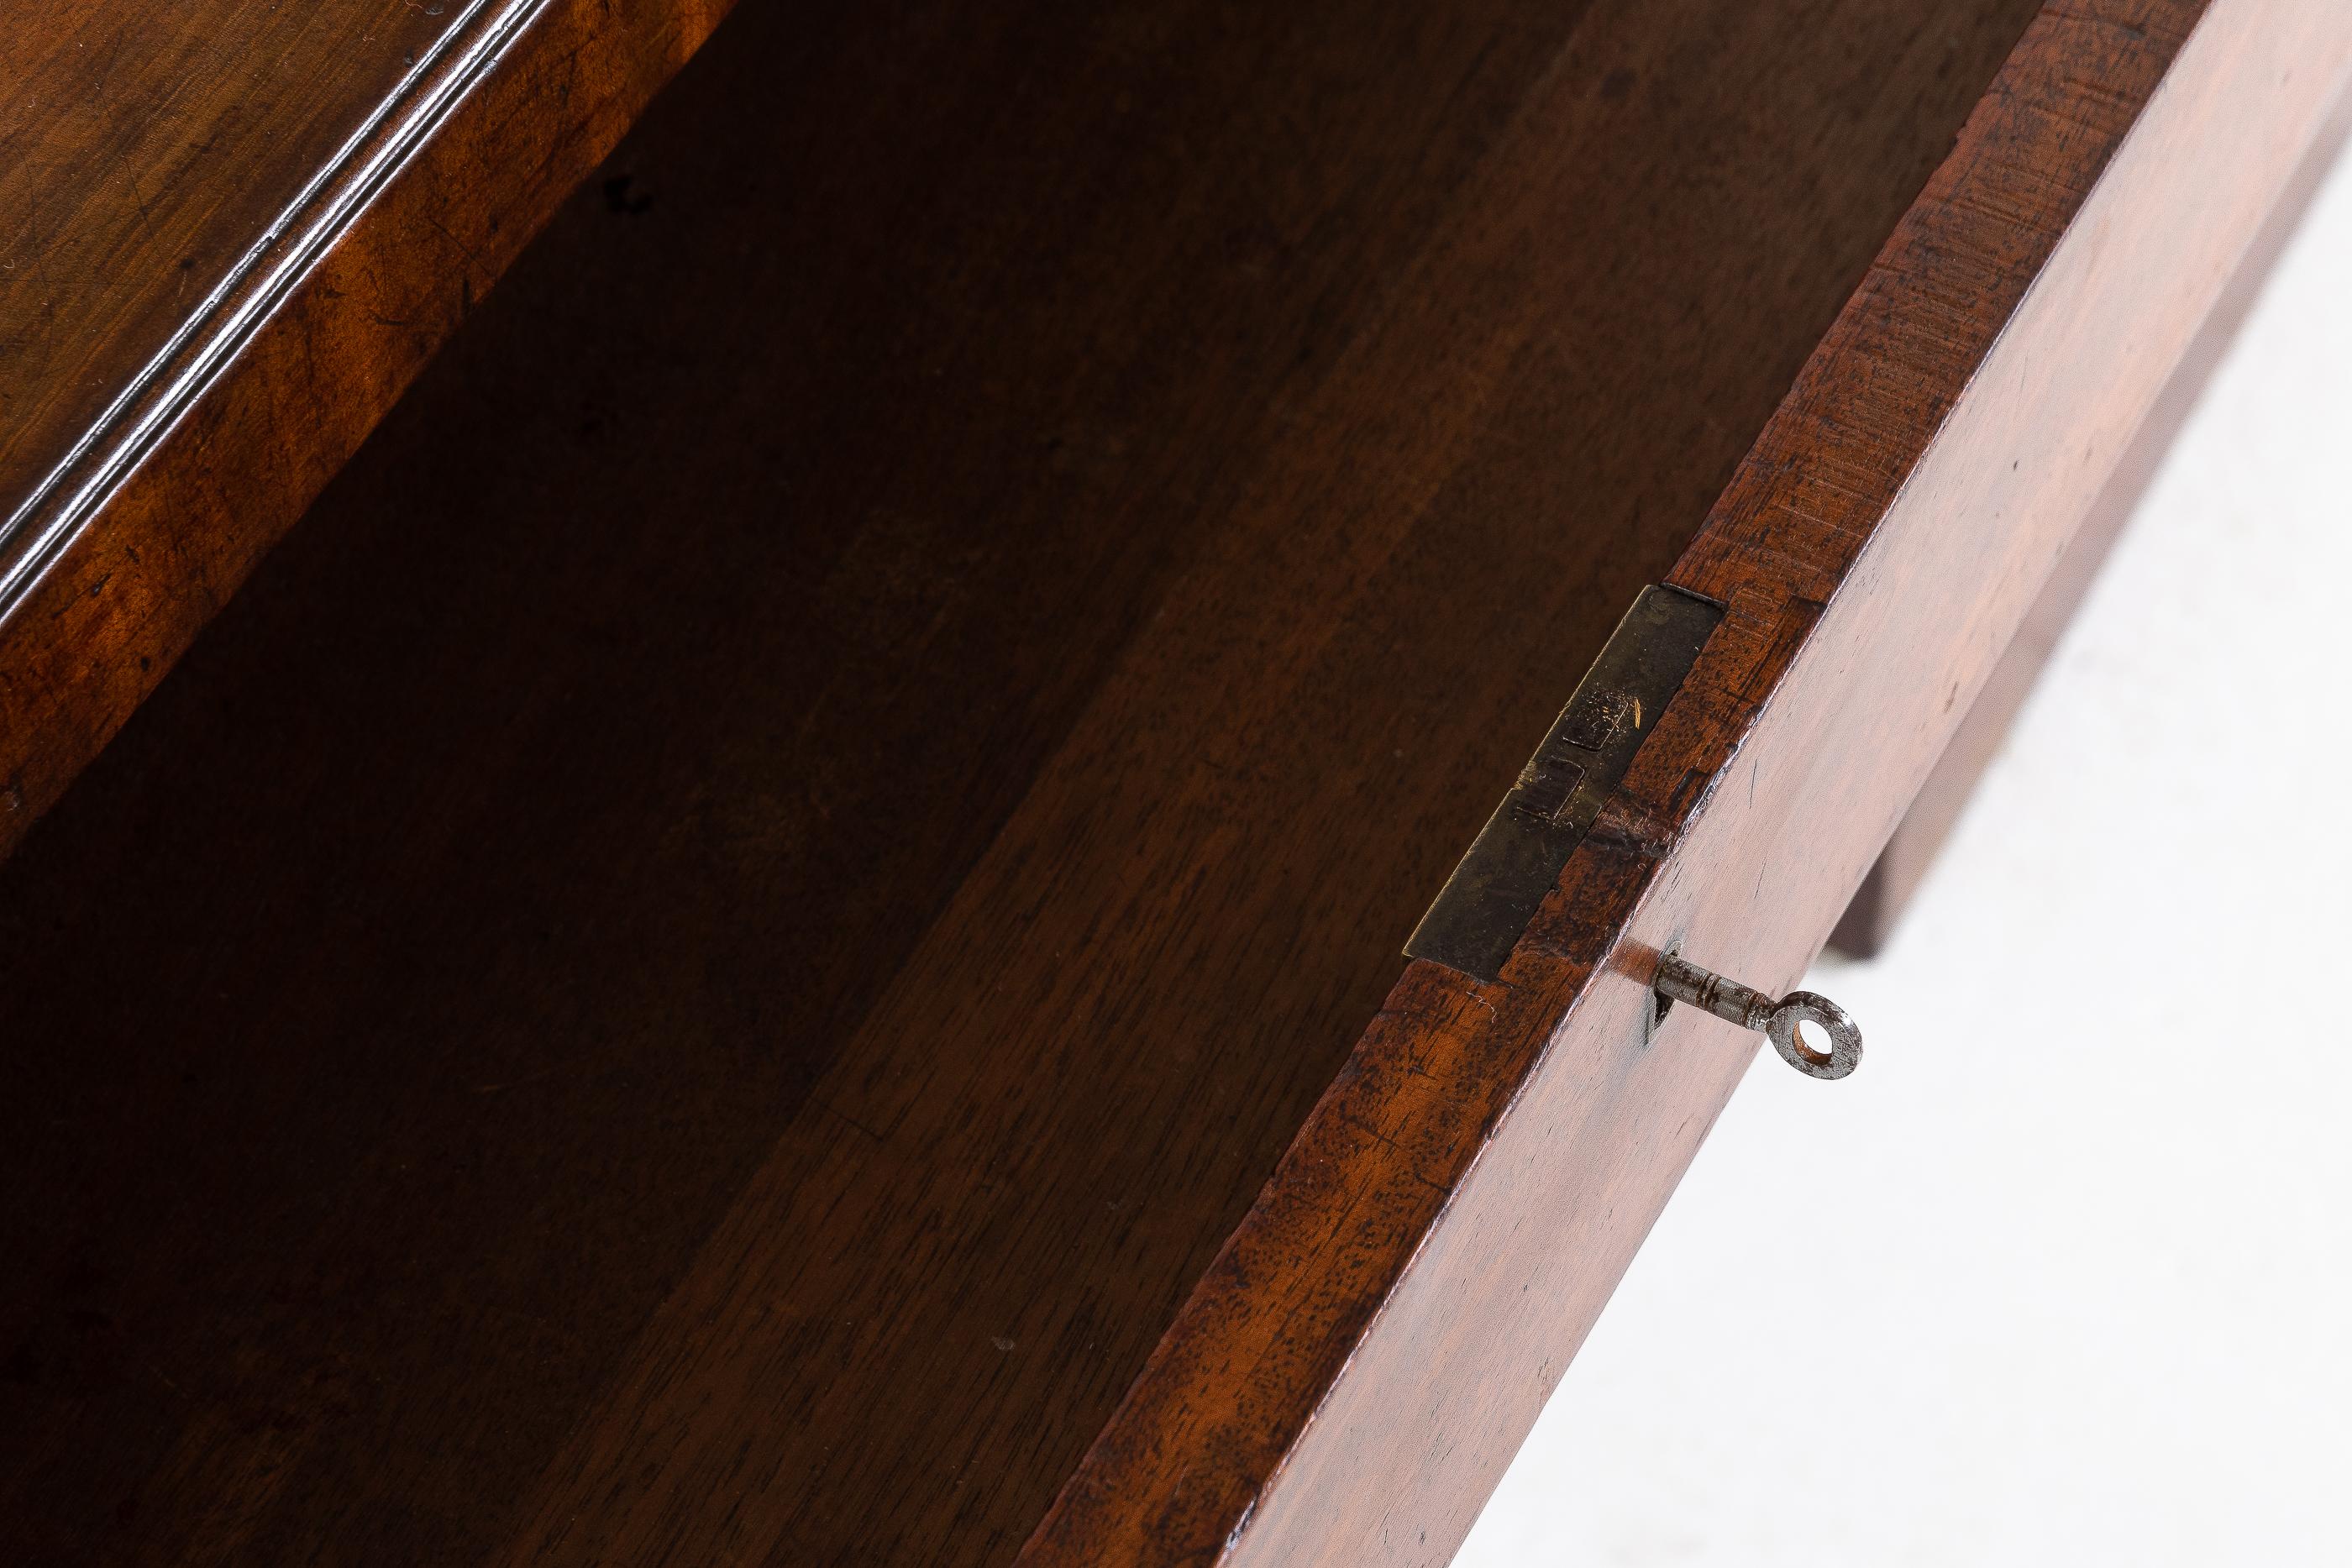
(1486, 904)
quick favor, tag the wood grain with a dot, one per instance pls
(1896, 876)
(233, 233)
(698, 968)
(1203, 890)
(1371, 1345)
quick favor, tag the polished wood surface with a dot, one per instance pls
(1894, 877)
(701, 966)
(1371, 1345)
(230, 233)
(148, 157)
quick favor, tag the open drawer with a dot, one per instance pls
(774, 935)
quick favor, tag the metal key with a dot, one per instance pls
(1682, 982)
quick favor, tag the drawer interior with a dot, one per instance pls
(884, 710)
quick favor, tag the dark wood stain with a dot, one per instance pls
(1359, 1364)
(146, 156)
(700, 965)
(231, 232)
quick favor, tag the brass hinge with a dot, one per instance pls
(1488, 903)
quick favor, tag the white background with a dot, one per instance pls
(2077, 1288)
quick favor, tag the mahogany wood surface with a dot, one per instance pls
(1371, 1345)
(702, 964)
(231, 231)
(1896, 876)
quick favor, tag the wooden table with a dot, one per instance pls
(774, 935)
